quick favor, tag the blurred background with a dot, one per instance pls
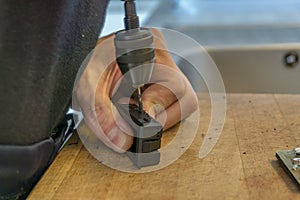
(254, 43)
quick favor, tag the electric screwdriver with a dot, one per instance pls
(135, 57)
(134, 50)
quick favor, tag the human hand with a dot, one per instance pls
(168, 97)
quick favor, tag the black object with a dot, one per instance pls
(22, 166)
(134, 48)
(42, 45)
(147, 135)
(135, 57)
(131, 19)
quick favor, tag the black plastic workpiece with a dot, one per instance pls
(147, 135)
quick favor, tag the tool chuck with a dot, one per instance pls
(134, 49)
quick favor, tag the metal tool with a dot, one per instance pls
(135, 57)
(134, 50)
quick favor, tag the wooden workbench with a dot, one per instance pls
(241, 166)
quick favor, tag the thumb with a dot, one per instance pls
(112, 129)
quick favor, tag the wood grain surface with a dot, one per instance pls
(241, 166)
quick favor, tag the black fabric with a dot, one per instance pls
(21, 166)
(42, 44)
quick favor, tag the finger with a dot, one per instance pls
(167, 87)
(157, 98)
(169, 110)
(113, 130)
(94, 97)
(100, 40)
(179, 110)
(116, 137)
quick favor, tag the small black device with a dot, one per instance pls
(147, 135)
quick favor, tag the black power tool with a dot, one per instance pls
(135, 57)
